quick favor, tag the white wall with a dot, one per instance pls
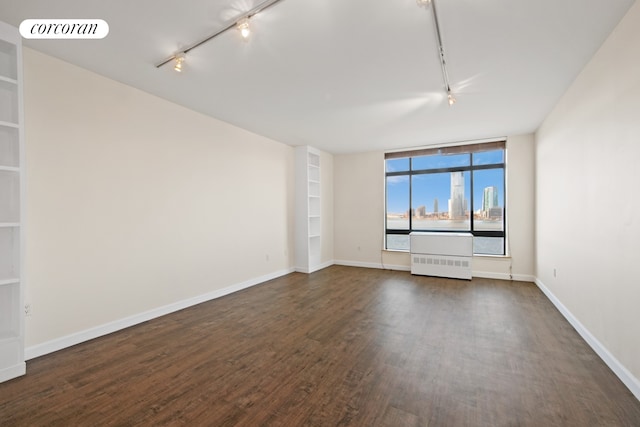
(587, 198)
(326, 206)
(520, 180)
(135, 203)
(358, 208)
(359, 214)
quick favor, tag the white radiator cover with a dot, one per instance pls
(441, 254)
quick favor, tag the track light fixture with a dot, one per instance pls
(424, 3)
(243, 27)
(241, 23)
(450, 97)
(179, 60)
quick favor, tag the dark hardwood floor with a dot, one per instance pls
(343, 346)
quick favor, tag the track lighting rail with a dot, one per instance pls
(247, 15)
(443, 62)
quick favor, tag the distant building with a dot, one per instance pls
(435, 205)
(457, 202)
(420, 212)
(489, 198)
(490, 207)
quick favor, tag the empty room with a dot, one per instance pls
(319, 213)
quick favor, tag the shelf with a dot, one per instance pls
(8, 59)
(314, 189)
(9, 146)
(5, 282)
(9, 124)
(10, 196)
(315, 226)
(8, 80)
(314, 174)
(9, 311)
(314, 206)
(9, 335)
(313, 160)
(8, 101)
(9, 254)
(308, 209)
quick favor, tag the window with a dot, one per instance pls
(449, 189)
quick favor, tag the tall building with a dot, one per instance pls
(489, 198)
(457, 202)
(435, 205)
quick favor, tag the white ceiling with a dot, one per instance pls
(344, 75)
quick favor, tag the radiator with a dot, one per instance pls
(441, 254)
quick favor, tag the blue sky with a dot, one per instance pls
(428, 187)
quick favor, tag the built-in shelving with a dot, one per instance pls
(308, 210)
(11, 206)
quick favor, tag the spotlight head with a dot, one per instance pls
(243, 26)
(179, 60)
(451, 98)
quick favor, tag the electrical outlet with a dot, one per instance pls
(27, 310)
(554, 272)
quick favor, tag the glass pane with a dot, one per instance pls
(398, 242)
(488, 157)
(438, 161)
(488, 200)
(398, 202)
(441, 201)
(488, 245)
(397, 165)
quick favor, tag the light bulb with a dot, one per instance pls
(243, 27)
(451, 98)
(179, 61)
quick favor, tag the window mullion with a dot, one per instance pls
(410, 194)
(471, 196)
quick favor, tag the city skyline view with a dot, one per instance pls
(431, 189)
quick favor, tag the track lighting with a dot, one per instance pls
(443, 63)
(240, 22)
(243, 27)
(179, 60)
(451, 98)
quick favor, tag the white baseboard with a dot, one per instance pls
(397, 267)
(504, 276)
(13, 371)
(358, 264)
(379, 266)
(314, 269)
(618, 368)
(484, 274)
(98, 331)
